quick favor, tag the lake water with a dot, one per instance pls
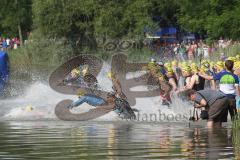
(24, 135)
(112, 140)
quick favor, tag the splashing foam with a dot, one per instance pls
(43, 101)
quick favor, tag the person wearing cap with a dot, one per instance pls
(161, 68)
(172, 80)
(238, 57)
(195, 82)
(165, 89)
(219, 66)
(116, 85)
(206, 69)
(151, 64)
(76, 75)
(28, 108)
(222, 57)
(183, 52)
(187, 74)
(228, 84)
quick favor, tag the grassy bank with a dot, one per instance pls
(236, 137)
(42, 51)
(229, 51)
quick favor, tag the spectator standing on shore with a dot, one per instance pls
(199, 51)
(8, 42)
(221, 43)
(4, 45)
(194, 47)
(190, 51)
(205, 51)
(182, 52)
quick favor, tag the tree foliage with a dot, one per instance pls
(81, 20)
(216, 18)
(15, 15)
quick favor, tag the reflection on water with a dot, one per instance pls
(106, 140)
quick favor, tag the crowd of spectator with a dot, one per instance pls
(9, 43)
(189, 50)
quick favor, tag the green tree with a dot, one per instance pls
(84, 21)
(214, 18)
(16, 17)
(70, 19)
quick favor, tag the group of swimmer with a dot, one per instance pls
(212, 86)
(115, 100)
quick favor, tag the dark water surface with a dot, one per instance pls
(111, 140)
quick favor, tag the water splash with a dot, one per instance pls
(43, 101)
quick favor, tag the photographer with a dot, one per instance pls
(216, 104)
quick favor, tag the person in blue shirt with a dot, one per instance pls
(4, 45)
(228, 84)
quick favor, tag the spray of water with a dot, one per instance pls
(42, 100)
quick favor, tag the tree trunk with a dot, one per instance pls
(20, 34)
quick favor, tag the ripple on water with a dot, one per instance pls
(98, 140)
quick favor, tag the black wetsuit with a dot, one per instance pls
(123, 108)
(175, 79)
(200, 85)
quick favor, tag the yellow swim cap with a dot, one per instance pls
(203, 69)
(80, 92)
(167, 65)
(236, 65)
(211, 64)
(174, 63)
(85, 71)
(238, 57)
(29, 108)
(186, 69)
(219, 64)
(203, 61)
(169, 70)
(194, 69)
(206, 65)
(193, 65)
(109, 74)
(232, 59)
(75, 71)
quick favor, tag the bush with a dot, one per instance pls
(40, 50)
